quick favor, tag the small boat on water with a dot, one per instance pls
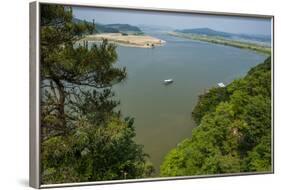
(221, 85)
(168, 81)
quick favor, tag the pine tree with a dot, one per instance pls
(84, 138)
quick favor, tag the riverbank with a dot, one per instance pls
(141, 41)
(223, 41)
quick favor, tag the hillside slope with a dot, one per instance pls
(241, 36)
(234, 129)
(113, 28)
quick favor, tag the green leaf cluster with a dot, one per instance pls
(94, 153)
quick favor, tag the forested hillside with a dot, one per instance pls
(211, 32)
(234, 129)
(112, 28)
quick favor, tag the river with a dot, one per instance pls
(163, 112)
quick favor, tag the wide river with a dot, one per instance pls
(163, 112)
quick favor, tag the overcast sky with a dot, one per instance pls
(231, 24)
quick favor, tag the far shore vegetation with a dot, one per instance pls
(223, 41)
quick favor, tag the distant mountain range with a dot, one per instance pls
(205, 31)
(211, 32)
(114, 28)
(123, 27)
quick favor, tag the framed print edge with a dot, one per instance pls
(272, 94)
(34, 111)
(157, 9)
(34, 96)
(155, 179)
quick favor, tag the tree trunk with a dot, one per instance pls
(61, 102)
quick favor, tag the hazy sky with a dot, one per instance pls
(232, 24)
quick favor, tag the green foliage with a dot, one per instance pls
(84, 137)
(234, 129)
(92, 153)
(259, 158)
(208, 102)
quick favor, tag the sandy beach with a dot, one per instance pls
(142, 41)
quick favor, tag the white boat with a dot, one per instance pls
(221, 85)
(168, 81)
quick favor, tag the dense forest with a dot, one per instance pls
(83, 136)
(233, 132)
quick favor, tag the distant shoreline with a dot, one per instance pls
(219, 40)
(130, 40)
